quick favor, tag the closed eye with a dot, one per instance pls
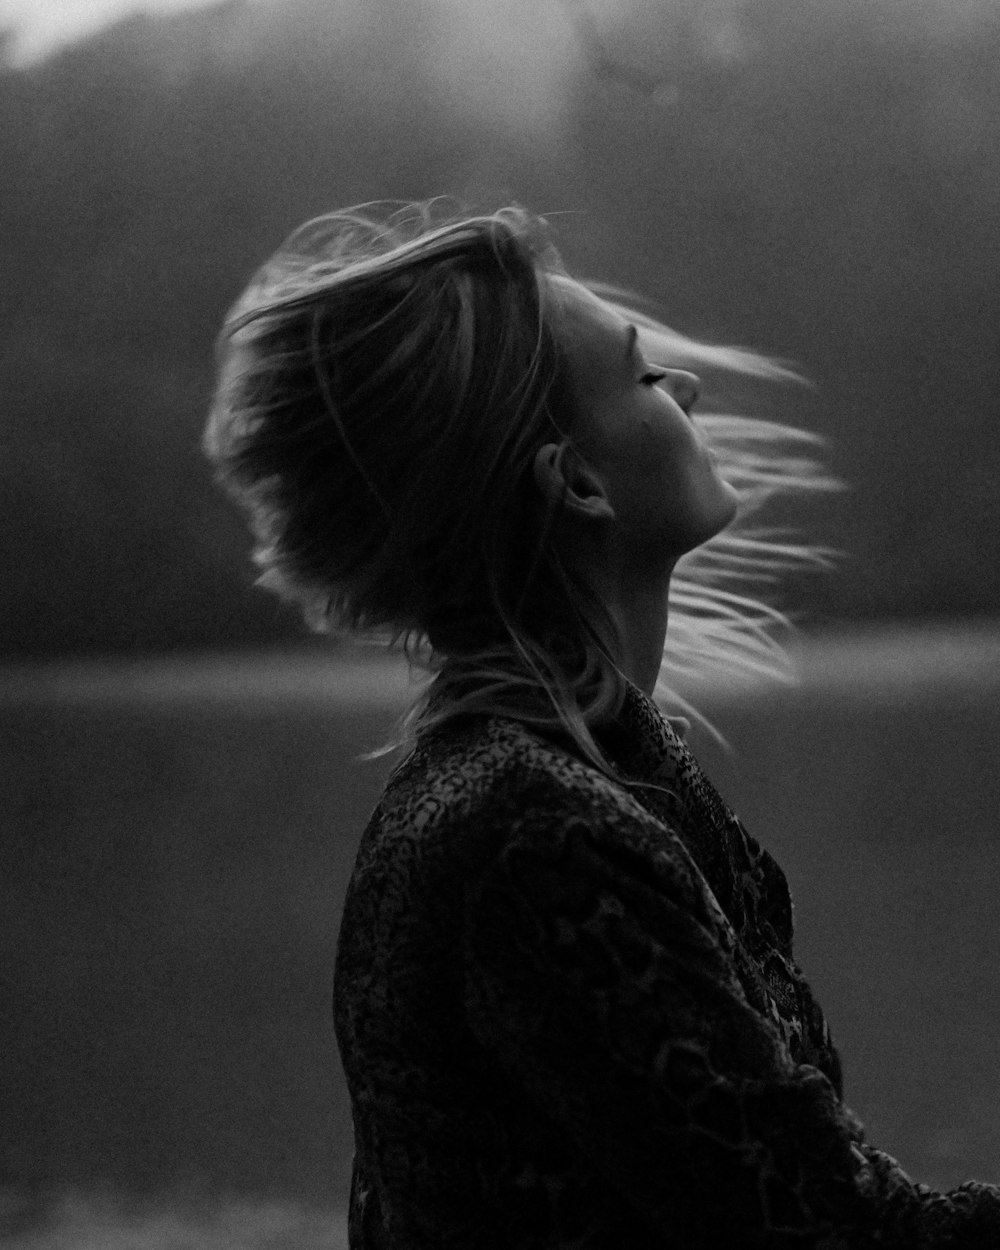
(653, 377)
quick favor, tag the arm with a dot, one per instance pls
(599, 973)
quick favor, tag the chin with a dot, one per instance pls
(718, 516)
(730, 506)
(703, 515)
(700, 532)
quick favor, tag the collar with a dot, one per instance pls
(641, 742)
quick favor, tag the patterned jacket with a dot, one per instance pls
(569, 1016)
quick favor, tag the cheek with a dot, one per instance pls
(662, 444)
(679, 494)
(672, 455)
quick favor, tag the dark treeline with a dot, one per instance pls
(810, 179)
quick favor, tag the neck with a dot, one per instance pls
(639, 609)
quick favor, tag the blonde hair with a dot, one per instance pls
(384, 384)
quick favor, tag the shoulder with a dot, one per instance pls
(497, 773)
(487, 815)
(491, 798)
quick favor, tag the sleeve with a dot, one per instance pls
(599, 974)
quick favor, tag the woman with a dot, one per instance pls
(565, 996)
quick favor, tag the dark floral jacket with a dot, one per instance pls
(569, 1016)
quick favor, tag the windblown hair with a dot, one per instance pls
(384, 384)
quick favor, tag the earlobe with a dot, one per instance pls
(563, 477)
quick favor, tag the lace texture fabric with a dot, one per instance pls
(569, 1016)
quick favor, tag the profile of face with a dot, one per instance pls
(643, 472)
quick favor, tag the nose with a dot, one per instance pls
(684, 387)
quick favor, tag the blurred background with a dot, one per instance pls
(181, 797)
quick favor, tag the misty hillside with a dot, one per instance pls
(815, 180)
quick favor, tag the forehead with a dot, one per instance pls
(594, 339)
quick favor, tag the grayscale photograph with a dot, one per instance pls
(500, 631)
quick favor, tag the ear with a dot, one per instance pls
(561, 475)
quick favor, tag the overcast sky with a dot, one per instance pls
(40, 26)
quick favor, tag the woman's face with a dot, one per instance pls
(632, 428)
